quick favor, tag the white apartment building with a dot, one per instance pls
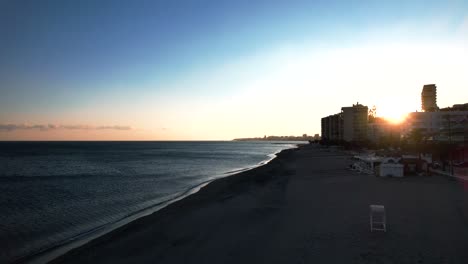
(439, 126)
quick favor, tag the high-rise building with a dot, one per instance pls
(325, 125)
(332, 127)
(348, 125)
(429, 98)
(355, 119)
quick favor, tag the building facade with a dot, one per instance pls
(355, 122)
(348, 125)
(429, 98)
(332, 127)
(449, 126)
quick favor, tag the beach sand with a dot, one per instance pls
(303, 207)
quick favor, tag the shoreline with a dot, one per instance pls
(302, 208)
(54, 252)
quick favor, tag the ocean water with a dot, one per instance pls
(54, 192)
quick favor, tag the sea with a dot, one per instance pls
(55, 194)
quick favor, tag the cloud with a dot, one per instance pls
(47, 127)
(114, 127)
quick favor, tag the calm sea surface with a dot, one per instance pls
(53, 192)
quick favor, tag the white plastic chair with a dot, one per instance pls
(378, 218)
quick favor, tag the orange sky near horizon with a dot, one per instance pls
(283, 90)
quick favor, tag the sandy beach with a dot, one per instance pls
(303, 207)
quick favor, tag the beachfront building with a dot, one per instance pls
(448, 126)
(349, 125)
(332, 127)
(429, 98)
(456, 107)
(325, 128)
(355, 122)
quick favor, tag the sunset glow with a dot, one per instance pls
(396, 119)
(233, 131)
(252, 81)
(396, 111)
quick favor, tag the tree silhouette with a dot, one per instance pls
(372, 114)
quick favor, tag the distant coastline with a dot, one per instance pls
(280, 138)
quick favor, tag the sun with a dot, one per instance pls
(395, 119)
(393, 114)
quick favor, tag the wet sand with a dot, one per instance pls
(303, 207)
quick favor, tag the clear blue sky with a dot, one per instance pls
(62, 60)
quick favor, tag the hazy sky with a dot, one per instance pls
(220, 69)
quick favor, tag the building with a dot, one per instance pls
(355, 121)
(449, 126)
(349, 125)
(325, 128)
(429, 98)
(332, 127)
(456, 107)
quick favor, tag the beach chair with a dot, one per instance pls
(378, 218)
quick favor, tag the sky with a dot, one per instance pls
(218, 70)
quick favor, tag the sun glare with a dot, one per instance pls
(395, 115)
(395, 119)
